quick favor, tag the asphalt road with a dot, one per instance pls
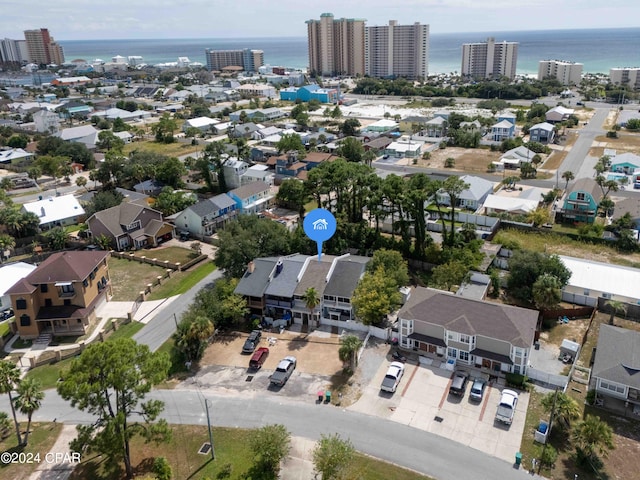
(163, 324)
(424, 452)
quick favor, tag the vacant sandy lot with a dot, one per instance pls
(316, 352)
(466, 159)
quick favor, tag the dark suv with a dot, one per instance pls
(251, 343)
(459, 383)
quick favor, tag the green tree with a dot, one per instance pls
(616, 307)
(162, 469)
(333, 456)
(108, 141)
(291, 142)
(7, 242)
(5, 425)
(81, 182)
(375, 296)
(351, 149)
(191, 336)
(546, 292)
(170, 201)
(450, 274)
(336, 112)
(348, 351)
(103, 200)
(393, 263)
(110, 380)
(29, 399)
(9, 379)
(592, 437)
(104, 242)
(293, 194)
(528, 170)
(566, 408)
(270, 445)
(349, 127)
(452, 187)
(525, 267)
(163, 130)
(18, 141)
(539, 216)
(311, 300)
(247, 238)
(57, 238)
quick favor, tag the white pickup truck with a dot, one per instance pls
(507, 406)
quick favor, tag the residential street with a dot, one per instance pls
(424, 452)
(163, 324)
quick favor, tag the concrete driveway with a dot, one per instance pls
(422, 401)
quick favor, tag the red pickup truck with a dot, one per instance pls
(258, 358)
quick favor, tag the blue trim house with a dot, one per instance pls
(581, 201)
(626, 163)
(253, 197)
(310, 92)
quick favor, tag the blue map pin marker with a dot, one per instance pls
(319, 225)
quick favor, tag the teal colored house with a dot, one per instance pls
(626, 163)
(310, 92)
(581, 201)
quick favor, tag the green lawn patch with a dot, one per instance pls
(20, 343)
(182, 281)
(233, 458)
(177, 361)
(175, 149)
(41, 439)
(127, 330)
(129, 278)
(49, 374)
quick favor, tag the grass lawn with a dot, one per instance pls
(555, 160)
(20, 343)
(41, 439)
(175, 149)
(48, 375)
(182, 281)
(129, 277)
(232, 453)
(172, 254)
(562, 245)
(126, 331)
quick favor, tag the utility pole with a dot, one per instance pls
(206, 406)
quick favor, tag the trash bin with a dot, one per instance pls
(518, 458)
(320, 396)
(327, 395)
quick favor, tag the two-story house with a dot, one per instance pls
(61, 295)
(615, 375)
(253, 197)
(581, 201)
(130, 225)
(206, 217)
(342, 280)
(493, 337)
(542, 133)
(502, 130)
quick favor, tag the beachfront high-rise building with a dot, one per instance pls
(629, 76)
(397, 51)
(489, 59)
(12, 50)
(42, 48)
(336, 46)
(249, 60)
(567, 73)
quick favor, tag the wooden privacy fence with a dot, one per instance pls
(160, 263)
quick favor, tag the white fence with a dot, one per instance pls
(579, 299)
(547, 378)
(381, 333)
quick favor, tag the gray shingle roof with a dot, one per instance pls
(254, 284)
(618, 356)
(283, 284)
(250, 189)
(115, 217)
(472, 317)
(346, 275)
(589, 186)
(205, 207)
(315, 275)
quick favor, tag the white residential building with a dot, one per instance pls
(9, 275)
(489, 59)
(56, 211)
(625, 76)
(46, 122)
(397, 50)
(568, 73)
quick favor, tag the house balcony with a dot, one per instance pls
(67, 295)
(278, 303)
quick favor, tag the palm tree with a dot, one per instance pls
(567, 176)
(29, 400)
(616, 307)
(546, 291)
(7, 242)
(566, 408)
(592, 437)
(348, 351)
(5, 425)
(9, 377)
(311, 300)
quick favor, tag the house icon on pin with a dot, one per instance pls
(320, 224)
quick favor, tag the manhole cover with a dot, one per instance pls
(438, 419)
(249, 378)
(205, 449)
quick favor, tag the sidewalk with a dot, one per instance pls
(299, 463)
(56, 464)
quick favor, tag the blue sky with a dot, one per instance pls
(86, 19)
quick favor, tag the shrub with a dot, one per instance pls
(162, 469)
(516, 380)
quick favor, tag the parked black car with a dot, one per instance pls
(251, 343)
(459, 383)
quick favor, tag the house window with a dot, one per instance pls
(465, 338)
(47, 302)
(67, 302)
(44, 288)
(67, 289)
(25, 320)
(85, 283)
(21, 304)
(452, 353)
(586, 292)
(581, 196)
(452, 336)
(613, 387)
(464, 356)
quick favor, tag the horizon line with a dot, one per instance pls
(491, 32)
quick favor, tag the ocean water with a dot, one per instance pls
(598, 49)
